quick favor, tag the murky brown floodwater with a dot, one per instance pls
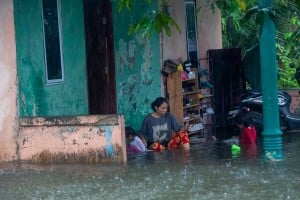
(206, 172)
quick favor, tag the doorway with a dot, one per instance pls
(228, 79)
(100, 56)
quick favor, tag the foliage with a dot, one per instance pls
(242, 26)
(155, 20)
(242, 21)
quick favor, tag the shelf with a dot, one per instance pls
(186, 98)
(192, 92)
(192, 119)
(191, 106)
(207, 95)
(205, 102)
(189, 79)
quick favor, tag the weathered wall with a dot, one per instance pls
(80, 139)
(295, 104)
(137, 66)
(208, 28)
(138, 61)
(36, 97)
(8, 83)
(175, 46)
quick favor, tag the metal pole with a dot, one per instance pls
(272, 135)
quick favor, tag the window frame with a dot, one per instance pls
(196, 30)
(59, 21)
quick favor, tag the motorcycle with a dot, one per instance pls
(251, 103)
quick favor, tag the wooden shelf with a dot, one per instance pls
(207, 95)
(192, 92)
(177, 97)
(191, 106)
(192, 119)
(189, 79)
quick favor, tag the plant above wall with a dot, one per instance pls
(242, 27)
(241, 23)
(156, 20)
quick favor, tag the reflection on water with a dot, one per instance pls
(207, 171)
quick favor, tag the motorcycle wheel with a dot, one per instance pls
(257, 120)
(283, 125)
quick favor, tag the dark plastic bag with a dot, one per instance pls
(170, 66)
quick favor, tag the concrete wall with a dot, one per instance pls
(8, 83)
(137, 66)
(209, 30)
(208, 27)
(80, 139)
(175, 46)
(138, 61)
(295, 104)
(56, 139)
(37, 98)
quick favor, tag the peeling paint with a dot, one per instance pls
(108, 146)
(88, 141)
(146, 65)
(127, 54)
(69, 130)
(138, 66)
(91, 156)
(37, 97)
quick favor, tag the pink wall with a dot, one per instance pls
(208, 27)
(8, 83)
(295, 104)
(175, 46)
(80, 139)
(209, 30)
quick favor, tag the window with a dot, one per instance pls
(52, 41)
(191, 31)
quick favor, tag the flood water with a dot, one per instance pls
(207, 171)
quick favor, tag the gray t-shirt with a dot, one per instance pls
(159, 129)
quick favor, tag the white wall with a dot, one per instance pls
(8, 83)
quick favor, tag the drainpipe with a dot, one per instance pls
(272, 135)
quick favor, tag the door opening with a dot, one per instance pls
(226, 68)
(100, 56)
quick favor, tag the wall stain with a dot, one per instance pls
(91, 156)
(127, 54)
(108, 147)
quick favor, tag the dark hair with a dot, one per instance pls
(244, 119)
(157, 102)
(130, 131)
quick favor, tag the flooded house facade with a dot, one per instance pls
(72, 77)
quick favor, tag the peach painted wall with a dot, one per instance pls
(295, 104)
(8, 83)
(208, 27)
(78, 139)
(175, 46)
(209, 30)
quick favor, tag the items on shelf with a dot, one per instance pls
(189, 91)
(203, 72)
(195, 127)
(205, 85)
